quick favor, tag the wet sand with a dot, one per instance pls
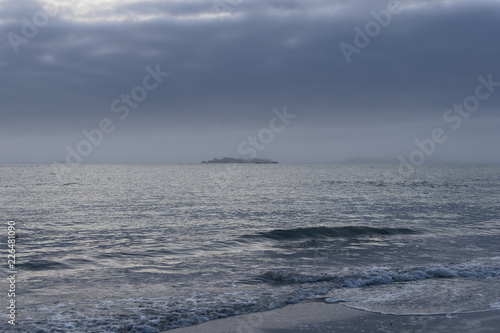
(322, 317)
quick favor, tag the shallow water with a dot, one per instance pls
(144, 248)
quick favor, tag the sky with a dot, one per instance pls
(149, 81)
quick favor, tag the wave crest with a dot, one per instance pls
(382, 275)
(330, 232)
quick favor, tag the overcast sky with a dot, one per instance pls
(66, 65)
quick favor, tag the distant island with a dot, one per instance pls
(240, 160)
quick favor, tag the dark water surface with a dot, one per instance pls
(144, 248)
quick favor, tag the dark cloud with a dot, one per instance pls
(231, 63)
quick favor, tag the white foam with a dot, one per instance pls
(334, 300)
(424, 297)
(495, 305)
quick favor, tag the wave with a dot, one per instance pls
(203, 305)
(381, 275)
(425, 183)
(386, 183)
(39, 265)
(330, 232)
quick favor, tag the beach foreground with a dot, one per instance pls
(323, 317)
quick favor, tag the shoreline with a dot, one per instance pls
(322, 317)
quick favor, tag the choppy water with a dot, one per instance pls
(145, 248)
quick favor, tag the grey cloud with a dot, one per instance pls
(233, 71)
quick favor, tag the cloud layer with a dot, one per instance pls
(230, 63)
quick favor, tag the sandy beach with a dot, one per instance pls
(322, 317)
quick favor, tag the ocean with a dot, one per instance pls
(147, 248)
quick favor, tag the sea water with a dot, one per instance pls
(146, 248)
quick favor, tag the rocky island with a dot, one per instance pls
(240, 160)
